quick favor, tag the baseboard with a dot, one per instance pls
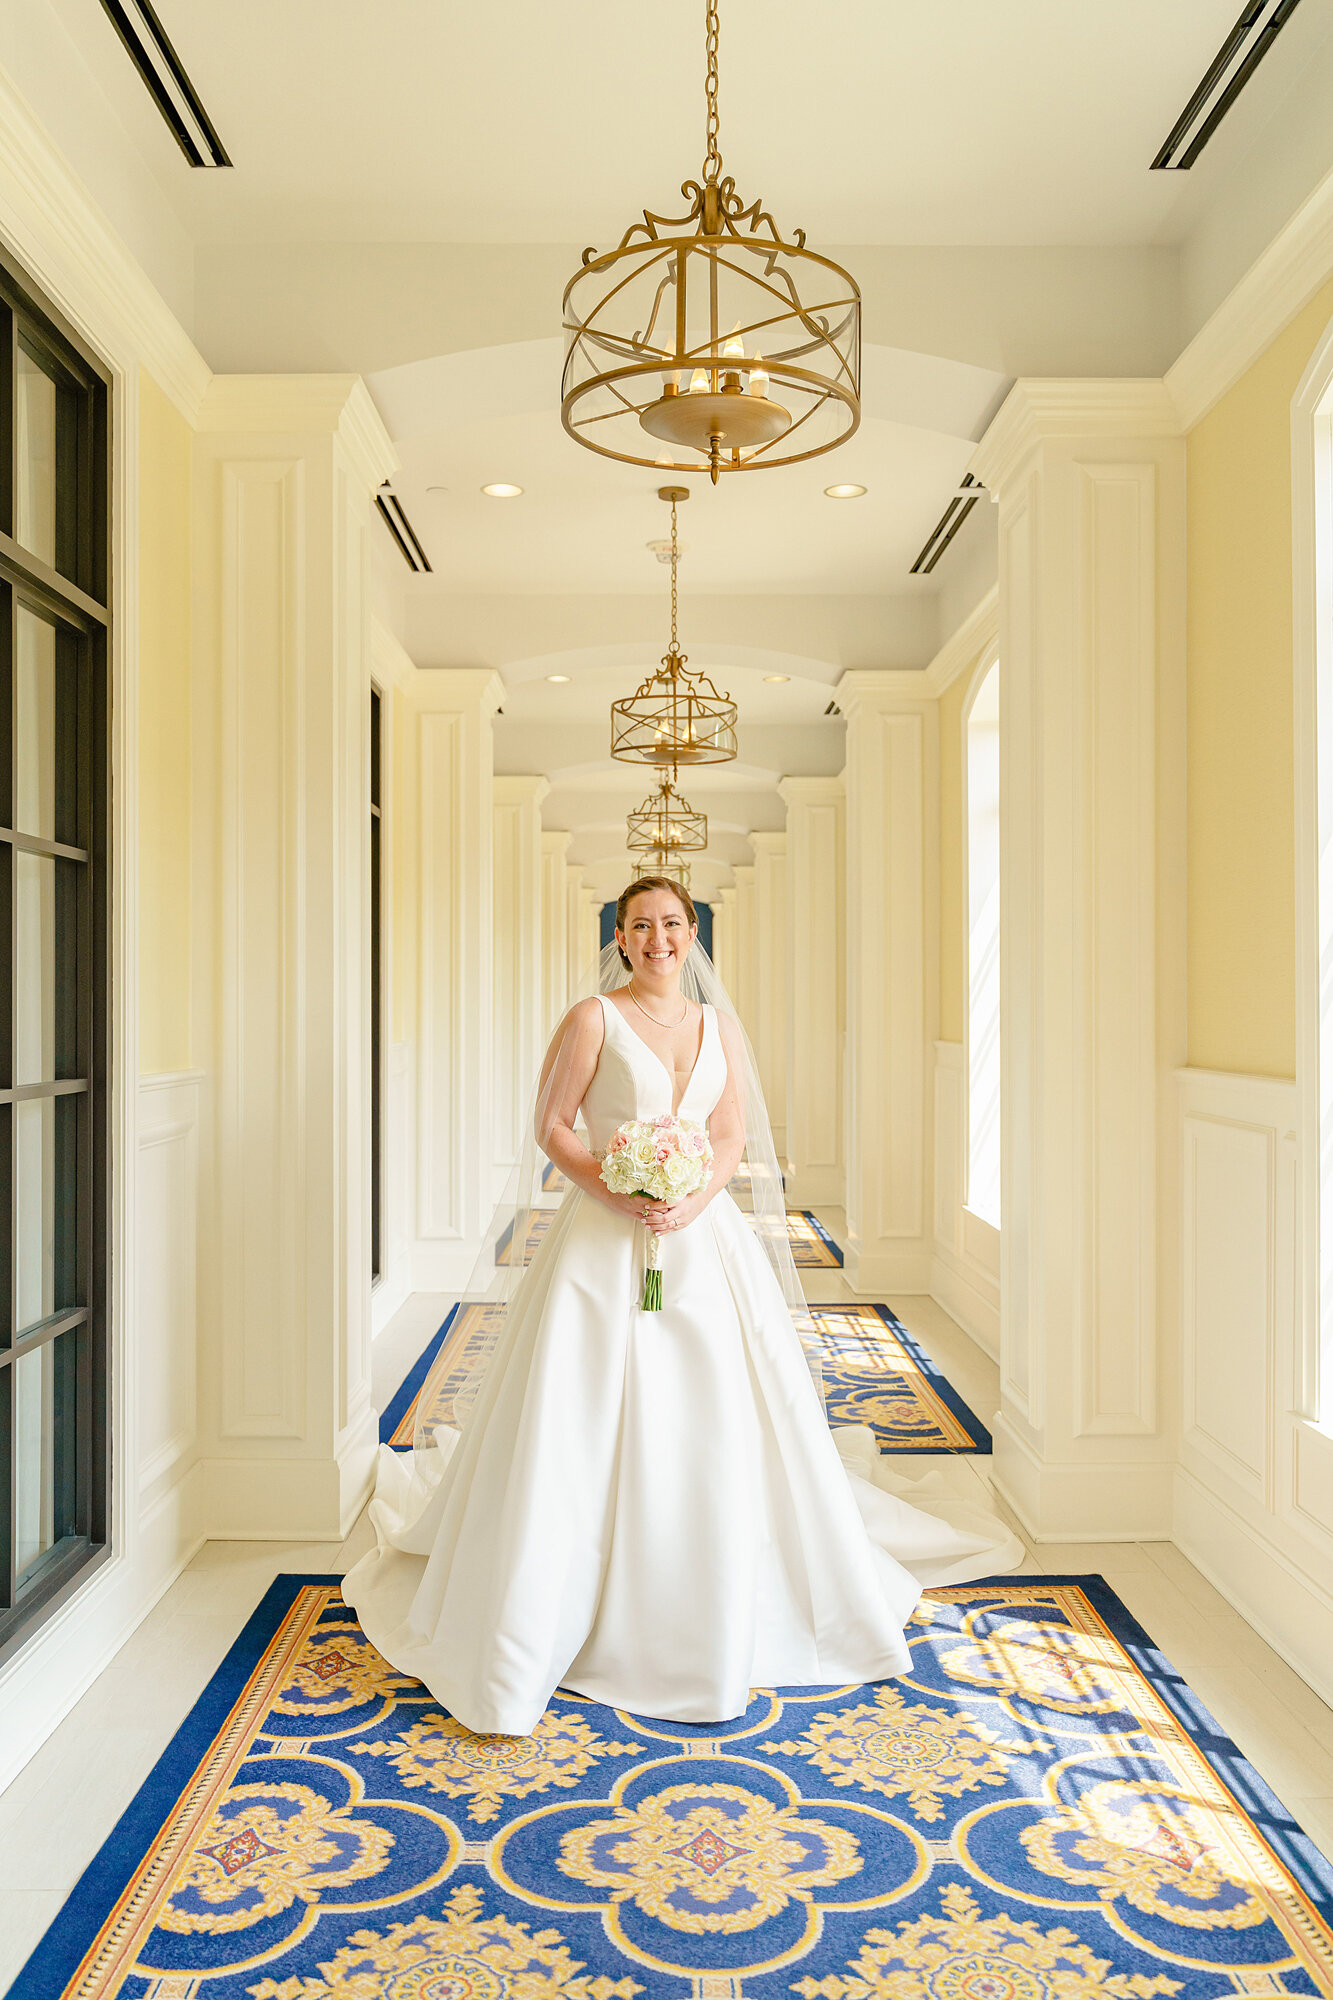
(964, 1300)
(1091, 1501)
(1289, 1608)
(886, 1273)
(58, 1665)
(816, 1187)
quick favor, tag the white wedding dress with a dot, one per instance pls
(650, 1508)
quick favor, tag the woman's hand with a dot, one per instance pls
(636, 1206)
(663, 1218)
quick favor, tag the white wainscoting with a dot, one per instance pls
(165, 1210)
(398, 1196)
(965, 1265)
(158, 1524)
(1254, 1485)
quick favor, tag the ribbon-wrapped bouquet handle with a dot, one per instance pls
(665, 1159)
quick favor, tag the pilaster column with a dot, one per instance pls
(555, 929)
(724, 938)
(816, 952)
(1090, 479)
(516, 955)
(892, 975)
(743, 947)
(285, 469)
(574, 958)
(590, 927)
(451, 712)
(772, 977)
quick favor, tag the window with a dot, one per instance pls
(376, 990)
(53, 959)
(983, 948)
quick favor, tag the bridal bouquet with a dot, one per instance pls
(666, 1159)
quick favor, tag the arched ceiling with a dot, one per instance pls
(561, 581)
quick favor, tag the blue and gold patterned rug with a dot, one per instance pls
(1040, 1811)
(812, 1248)
(874, 1373)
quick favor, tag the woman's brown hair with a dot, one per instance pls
(640, 888)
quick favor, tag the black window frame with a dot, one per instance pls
(74, 596)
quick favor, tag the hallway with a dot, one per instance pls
(57, 1813)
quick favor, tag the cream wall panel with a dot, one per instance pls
(454, 1128)
(555, 929)
(965, 1275)
(282, 519)
(816, 947)
(168, 1141)
(1091, 495)
(576, 966)
(773, 965)
(892, 973)
(745, 947)
(1254, 1491)
(516, 946)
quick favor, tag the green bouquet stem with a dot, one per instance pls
(652, 1277)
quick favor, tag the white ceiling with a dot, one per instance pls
(583, 523)
(979, 121)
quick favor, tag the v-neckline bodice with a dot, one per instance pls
(676, 1108)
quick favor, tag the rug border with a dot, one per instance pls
(58, 1954)
(820, 1231)
(1277, 1823)
(411, 1385)
(983, 1445)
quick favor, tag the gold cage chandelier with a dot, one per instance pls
(666, 824)
(707, 341)
(659, 863)
(675, 716)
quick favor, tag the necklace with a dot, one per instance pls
(652, 1017)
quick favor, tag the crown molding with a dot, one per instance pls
(980, 629)
(814, 791)
(881, 687)
(59, 234)
(390, 661)
(1038, 409)
(304, 403)
(1281, 280)
(519, 789)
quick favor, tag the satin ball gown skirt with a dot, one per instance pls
(650, 1508)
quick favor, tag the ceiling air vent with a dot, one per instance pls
(404, 534)
(950, 521)
(1260, 24)
(152, 54)
(833, 709)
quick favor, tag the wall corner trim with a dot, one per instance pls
(1283, 277)
(60, 233)
(1038, 408)
(963, 648)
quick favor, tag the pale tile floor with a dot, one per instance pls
(60, 1809)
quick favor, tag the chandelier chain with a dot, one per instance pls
(713, 151)
(675, 558)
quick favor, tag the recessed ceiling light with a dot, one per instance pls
(844, 492)
(502, 492)
(777, 677)
(557, 677)
(437, 489)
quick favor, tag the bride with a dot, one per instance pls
(649, 1508)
